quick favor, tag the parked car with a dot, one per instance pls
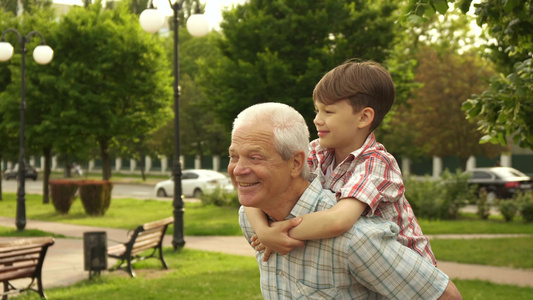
(500, 182)
(31, 172)
(195, 183)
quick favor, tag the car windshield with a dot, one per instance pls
(508, 172)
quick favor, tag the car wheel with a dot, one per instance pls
(35, 178)
(197, 193)
(161, 192)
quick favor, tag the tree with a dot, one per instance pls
(117, 90)
(447, 35)
(35, 17)
(435, 115)
(278, 50)
(506, 109)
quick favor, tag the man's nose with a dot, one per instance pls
(240, 168)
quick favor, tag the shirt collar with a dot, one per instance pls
(369, 142)
(308, 201)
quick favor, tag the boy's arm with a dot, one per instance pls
(329, 223)
(275, 238)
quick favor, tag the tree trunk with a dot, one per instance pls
(106, 160)
(47, 152)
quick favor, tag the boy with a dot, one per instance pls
(350, 102)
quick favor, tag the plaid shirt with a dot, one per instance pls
(366, 262)
(371, 175)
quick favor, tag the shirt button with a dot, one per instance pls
(280, 273)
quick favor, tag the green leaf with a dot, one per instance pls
(485, 139)
(415, 19)
(440, 5)
(509, 5)
(465, 5)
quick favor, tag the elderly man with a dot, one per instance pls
(268, 166)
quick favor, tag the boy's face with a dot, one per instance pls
(338, 126)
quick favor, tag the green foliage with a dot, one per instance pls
(439, 199)
(219, 197)
(109, 81)
(508, 209)
(505, 110)
(278, 50)
(483, 205)
(457, 193)
(95, 196)
(63, 193)
(525, 203)
(423, 195)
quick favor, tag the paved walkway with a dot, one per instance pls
(63, 264)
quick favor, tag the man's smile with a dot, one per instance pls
(245, 184)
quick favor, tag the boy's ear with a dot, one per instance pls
(298, 161)
(366, 117)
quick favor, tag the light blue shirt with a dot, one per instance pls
(366, 262)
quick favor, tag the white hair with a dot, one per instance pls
(291, 134)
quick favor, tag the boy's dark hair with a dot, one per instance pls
(363, 84)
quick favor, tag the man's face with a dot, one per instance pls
(257, 170)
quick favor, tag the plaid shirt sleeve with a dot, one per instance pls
(373, 182)
(383, 265)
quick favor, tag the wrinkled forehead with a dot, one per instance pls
(249, 138)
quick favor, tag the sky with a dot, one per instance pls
(213, 8)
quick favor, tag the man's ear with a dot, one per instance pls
(298, 161)
(366, 117)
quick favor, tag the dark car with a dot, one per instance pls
(500, 182)
(31, 172)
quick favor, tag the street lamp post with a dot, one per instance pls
(42, 54)
(151, 21)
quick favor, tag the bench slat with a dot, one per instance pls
(23, 258)
(146, 237)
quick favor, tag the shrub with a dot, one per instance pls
(439, 199)
(457, 193)
(424, 195)
(63, 194)
(525, 203)
(219, 197)
(95, 196)
(483, 206)
(508, 209)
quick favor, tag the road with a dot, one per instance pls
(120, 190)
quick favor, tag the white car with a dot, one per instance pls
(194, 183)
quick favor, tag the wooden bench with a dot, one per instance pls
(23, 258)
(146, 237)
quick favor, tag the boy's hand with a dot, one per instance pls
(277, 238)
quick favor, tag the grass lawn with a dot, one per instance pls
(206, 275)
(191, 275)
(129, 213)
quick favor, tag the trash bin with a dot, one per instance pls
(95, 252)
